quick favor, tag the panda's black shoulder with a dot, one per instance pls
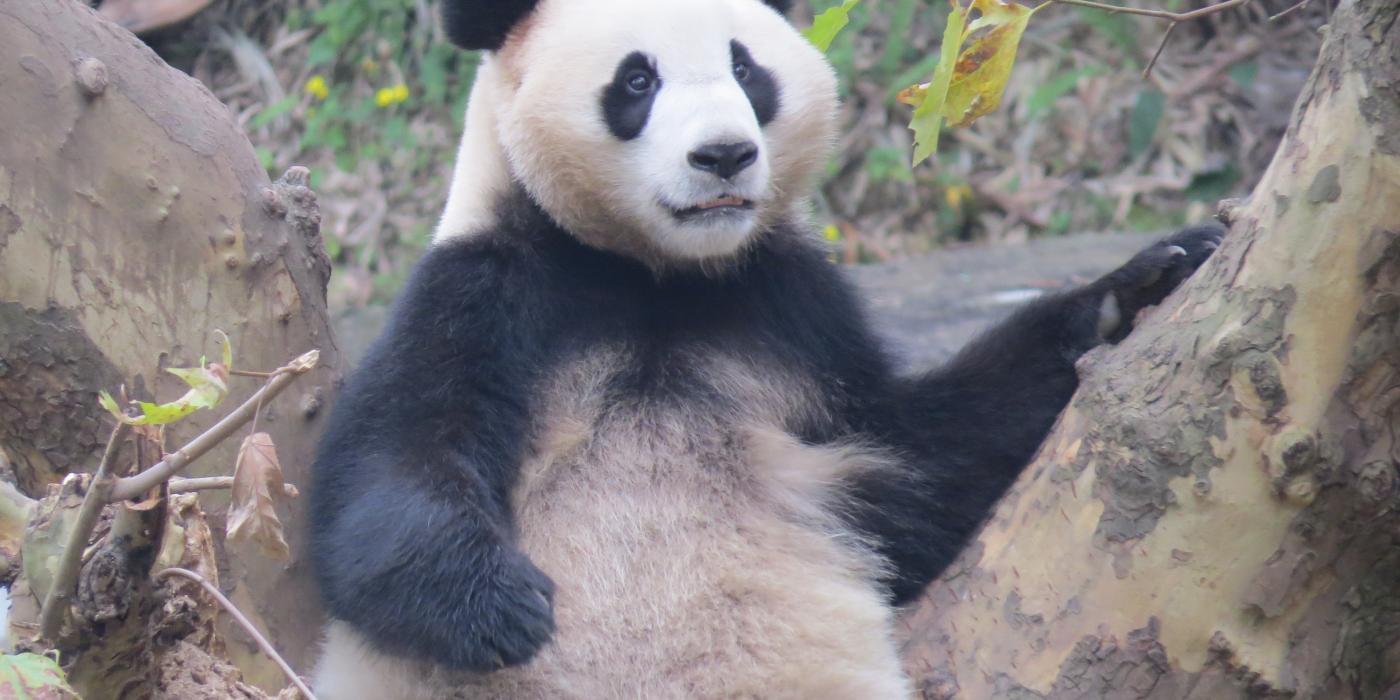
(489, 267)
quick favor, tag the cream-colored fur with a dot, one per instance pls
(696, 553)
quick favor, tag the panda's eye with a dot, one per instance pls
(640, 82)
(741, 71)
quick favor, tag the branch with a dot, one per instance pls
(104, 489)
(65, 580)
(243, 622)
(210, 483)
(135, 486)
(1146, 72)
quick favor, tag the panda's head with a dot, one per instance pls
(667, 130)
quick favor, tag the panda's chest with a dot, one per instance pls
(657, 436)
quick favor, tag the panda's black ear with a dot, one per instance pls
(780, 5)
(483, 24)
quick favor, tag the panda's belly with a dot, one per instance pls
(686, 565)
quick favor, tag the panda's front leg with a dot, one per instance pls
(419, 563)
(1150, 276)
(413, 539)
(967, 429)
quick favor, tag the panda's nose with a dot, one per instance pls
(724, 159)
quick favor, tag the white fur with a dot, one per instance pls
(480, 174)
(544, 99)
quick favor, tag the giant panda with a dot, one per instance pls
(628, 433)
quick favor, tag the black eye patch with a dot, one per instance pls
(758, 84)
(628, 98)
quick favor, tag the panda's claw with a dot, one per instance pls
(1155, 272)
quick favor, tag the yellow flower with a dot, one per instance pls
(955, 195)
(317, 87)
(388, 96)
(831, 233)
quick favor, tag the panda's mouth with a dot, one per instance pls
(720, 206)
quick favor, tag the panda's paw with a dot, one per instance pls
(511, 616)
(1152, 274)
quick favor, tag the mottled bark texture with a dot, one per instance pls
(1217, 513)
(134, 220)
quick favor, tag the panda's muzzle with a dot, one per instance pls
(726, 204)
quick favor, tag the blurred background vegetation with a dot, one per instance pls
(370, 96)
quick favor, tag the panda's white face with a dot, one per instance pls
(669, 130)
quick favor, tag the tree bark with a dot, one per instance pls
(134, 220)
(1217, 515)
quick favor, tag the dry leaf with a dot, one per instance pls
(252, 514)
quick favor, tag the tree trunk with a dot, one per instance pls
(134, 220)
(1217, 514)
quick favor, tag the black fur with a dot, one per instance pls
(412, 534)
(758, 83)
(626, 109)
(483, 24)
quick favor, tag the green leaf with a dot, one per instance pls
(928, 116)
(106, 401)
(1213, 186)
(1244, 73)
(1118, 28)
(1044, 97)
(33, 677)
(1142, 123)
(227, 349)
(274, 110)
(207, 390)
(828, 24)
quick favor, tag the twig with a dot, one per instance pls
(243, 622)
(134, 486)
(1159, 14)
(1174, 17)
(209, 483)
(65, 580)
(1290, 10)
(250, 373)
(1147, 72)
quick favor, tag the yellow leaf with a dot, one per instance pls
(983, 67)
(252, 512)
(912, 95)
(968, 82)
